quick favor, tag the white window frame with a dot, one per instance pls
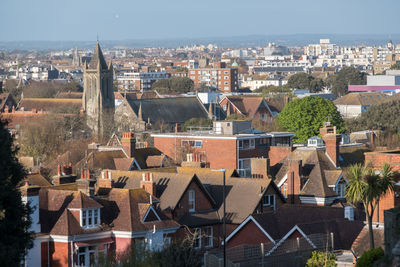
(84, 218)
(197, 238)
(268, 203)
(192, 200)
(209, 236)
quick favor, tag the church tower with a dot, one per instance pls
(98, 94)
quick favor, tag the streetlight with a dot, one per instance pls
(223, 218)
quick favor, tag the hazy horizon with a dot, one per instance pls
(48, 20)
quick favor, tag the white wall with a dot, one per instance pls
(34, 204)
(33, 257)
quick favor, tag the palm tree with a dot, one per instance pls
(366, 186)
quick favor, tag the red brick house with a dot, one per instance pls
(75, 225)
(230, 145)
(311, 175)
(276, 228)
(377, 160)
(193, 197)
(249, 106)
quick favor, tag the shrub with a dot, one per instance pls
(369, 257)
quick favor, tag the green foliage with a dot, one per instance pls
(272, 89)
(14, 215)
(197, 122)
(321, 259)
(384, 117)
(307, 115)
(236, 117)
(346, 76)
(302, 80)
(173, 84)
(367, 187)
(369, 257)
(395, 66)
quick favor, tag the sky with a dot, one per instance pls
(84, 20)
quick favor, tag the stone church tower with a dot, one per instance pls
(98, 94)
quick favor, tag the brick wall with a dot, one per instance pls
(220, 153)
(59, 254)
(278, 153)
(201, 201)
(249, 234)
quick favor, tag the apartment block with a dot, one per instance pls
(221, 78)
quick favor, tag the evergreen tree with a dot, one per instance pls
(307, 115)
(14, 214)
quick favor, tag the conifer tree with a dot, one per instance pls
(15, 239)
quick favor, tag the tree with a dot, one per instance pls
(321, 259)
(395, 66)
(14, 214)
(197, 122)
(382, 117)
(300, 80)
(367, 187)
(346, 76)
(173, 84)
(307, 115)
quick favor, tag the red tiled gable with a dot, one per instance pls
(123, 164)
(155, 161)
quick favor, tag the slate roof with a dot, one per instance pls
(169, 110)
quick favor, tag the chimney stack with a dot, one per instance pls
(64, 175)
(148, 184)
(105, 181)
(85, 184)
(294, 183)
(128, 143)
(332, 142)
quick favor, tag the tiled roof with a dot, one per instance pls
(154, 161)
(123, 164)
(279, 222)
(247, 105)
(82, 201)
(316, 167)
(101, 159)
(50, 104)
(362, 99)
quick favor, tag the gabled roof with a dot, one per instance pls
(169, 110)
(242, 194)
(170, 187)
(101, 159)
(316, 167)
(310, 219)
(82, 201)
(127, 209)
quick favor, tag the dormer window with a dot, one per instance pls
(90, 218)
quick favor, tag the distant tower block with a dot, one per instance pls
(98, 94)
